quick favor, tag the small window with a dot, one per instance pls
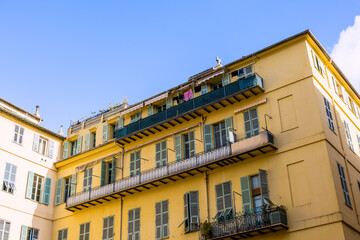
(67, 188)
(329, 114)
(108, 228)
(161, 154)
(4, 229)
(18, 134)
(134, 224)
(216, 86)
(219, 135)
(351, 104)
(85, 231)
(344, 185)
(73, 147)
(135, 163)
(93, 139)
(9, 178)
(251, 122)
(28, 233)
(62, 234)
(318, 64)
(43, 143)
(161, 108)
(135, 117)
(185, 146)
(243, 72)
(37, 188)
(87, 183)
(162, 220)
(108, 171)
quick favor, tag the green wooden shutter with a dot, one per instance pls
(79, 144)
(264, 190)
(245, 193)
(36, 142)
(165, 218)
(169, 103)
(204, 89)
(194, 210)
(158, 221)
(228, 127)
(87, 141)
(158, 155)
(186, 212)
(192, 143)
(73, 184)
(225, 79)
(219, 197)
(24, 232)
(150, 110)
(65, 149)
(113, 169)
(227, 195)
(105, 132)
(51, 149)
(251, 122)
(47, 188)
(29, 184)
(247, 123)
(103, 173)
(58, 196)
(208, 138)
(121, 122)
(178, 147)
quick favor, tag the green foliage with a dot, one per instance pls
(206, 229)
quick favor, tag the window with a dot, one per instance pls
(218, 133)
(35, 189)
(329, 114)
(162, 219)
(243, 72)
(344, 185)
(73, 147)
(135, 117)
(191, 211)
(85, 231)
(161, 154)
(90, 140)
(4, 229)
(161, 108)
(337, 88)
(318, 64)
(28, 233)
(67, 188)
(348, 136)
(351, 104)
(216, 86)
(108, 171)
(185, 146)
(87, 183)
(223, 201)
(40, 145)
(135, 162)
(254, 189)
(18, 134)
(93, 139)
(9, 178)
(251, 122)
(62, 234)
(108, 228)
(204, 89)
(134, 224)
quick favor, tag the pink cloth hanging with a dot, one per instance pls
(187, 95)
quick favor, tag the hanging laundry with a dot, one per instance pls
(187, 95)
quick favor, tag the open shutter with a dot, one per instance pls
(79, 144)
(65, 149)
(264, 190)
(169, 103)
(158, 221)
(204, 89)
(227, 195)
(158, 155)
(229, 128)
(51, 149)
(103, 173)
(186, 212)
(47, 188)
(150, 110)
(245, 193)
(24, 232)
(219, 198)
(131, 224)
(194, 210)
(225, 79)
(29, 184)
(87, 141)
(113, 169)
(208, 138)
(121, 122)
(137, 223)
(105, 132)
(192, 143)
(36, 142)
(165, 218)
(178, 148)
(58, 195)
(73, 184)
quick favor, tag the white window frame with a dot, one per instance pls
(36, 188)
(4, 229)
(8, 184)
(18, 136)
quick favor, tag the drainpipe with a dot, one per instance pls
(121, 218)
(207, 196)
(122, 162)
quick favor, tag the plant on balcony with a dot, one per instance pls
(206, 229)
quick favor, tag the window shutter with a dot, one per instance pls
(158, 155)
(58, 195)
(245, 193)
(165, 218)
(51, 149)
(65, 149)
(208, 138)
(79, 144)
(121, 122)
(87, 141)
(178, 147)
(186, 212)
(204, 89)
(137, 224)
(24, 232)
(113, 169)
(47, 188)
(248, 70)
(194, 210)
(192, 143)
(225, 79)
(169, 103)
(228, 127)
(251, 122)
(132, 164)
(105, 132)
(73, 184)
(264, 190)
(219, 198)
(227, 195)
(103, 173)
(348, 136)
(344, 184)
(335, 87)
(36, 142)
(29, 184)
(158, 222)
(150, 110)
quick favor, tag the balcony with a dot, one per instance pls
(174, 171)
(250, 224)
(195, 107)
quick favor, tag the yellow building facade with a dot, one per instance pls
(266, 147)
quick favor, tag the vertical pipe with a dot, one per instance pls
(121, 218)
(207, 196)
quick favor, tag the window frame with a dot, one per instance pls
(108, 228)
(329, 114)
(85, 235)
(3, 230)
(135, 117)
(132, 222)
(37, 190)
(344, 185)
(18, 135)
(61, 234)
(9, 189)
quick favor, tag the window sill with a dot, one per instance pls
(20, 144)
(7, 192)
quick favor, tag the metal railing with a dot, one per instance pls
(194, 103)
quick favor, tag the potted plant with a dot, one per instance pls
(206, 229)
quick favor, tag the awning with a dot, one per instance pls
(131, 109)
(155, 99)
(202, 80)
(250, 106)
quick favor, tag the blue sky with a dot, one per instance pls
(75, 57)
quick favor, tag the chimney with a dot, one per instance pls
(37, 111)
(61, 131)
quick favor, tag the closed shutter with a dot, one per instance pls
(158, 222)
(79, 144)
(186, 212)
(29, 184)
(192, 143)
(73, 184)
(251, 122)
(245, 193)
(137, 224)
(165, 218)
(105, 228)
(328, 114)
(204, 89)
(344, 185)
(208, 138)
(131, 216)
(36, 142)
(87, 141)
(24, 232)
(58, 195)
(161, 154)
(47, 189)
(348, 136)
(135, 161)
(51, 149)
(113, 169)
(228, 128)
(65, 149)
(178, 147)
(169, 103)
(227, 195)
(225, 79)
(194, 210)
(219, 197)
(103, 173)
(150, 110)
(264, 190)
(105, 132)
